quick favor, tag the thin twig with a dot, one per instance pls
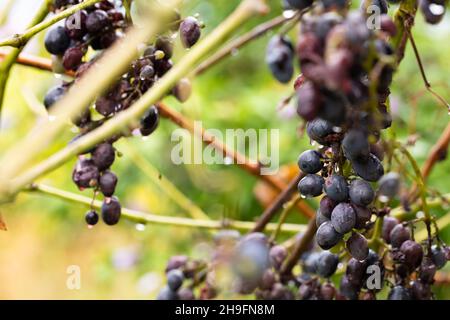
(144, 217)
(283, 216)
(438, 152)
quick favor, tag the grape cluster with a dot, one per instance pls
(98, 27)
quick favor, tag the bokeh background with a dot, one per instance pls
(46, 235)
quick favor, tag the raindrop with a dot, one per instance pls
(140, 227)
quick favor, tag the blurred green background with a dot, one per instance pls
(46, 235)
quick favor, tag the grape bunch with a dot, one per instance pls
(97, 28)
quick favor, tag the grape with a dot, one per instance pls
(53, 96)
(362, 216)
(361, 192)
(333, 109)
(103, 156)
(420, 290)
(327, 237)
(182, 90)
(336, 4)
(319, 129)
(167, 294)
(255, 236)
(75, 25)
(305, 291)
(279, 57)
(72, 58)
(413, 253)
(327, 264)
(311, 185)
(309, 162)
(268, 280)
(398, 235)
(347, 289)
(429, 15)
(175, 279)
(186, 294)
(399, 293)
(320, 218)
(149, 121)
(299, 4)
(438, 256)
(357, 246)
(310, 262)
(250, 260)
(85, 174)
(189, 32)
(381, 4)
(343, 218)
(427, 270)
(96, 21)
(327, 291)
(336, 188)
(91, 218)
(370, 170)
(388, 224)
(164, 44)
(104, 40)
(107, 183)
(176, 262)
(356, 272)
(387, 25)
(308, 101)
(277, 255)
(111, 211)
(355, 145)
(389, 185)
(326, 206)
(105, 106)
(57, 41)
(147, 72)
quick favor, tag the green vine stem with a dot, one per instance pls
(286, 210)
(145, 218)
(19, 40)
(10, 58)
(245, 11)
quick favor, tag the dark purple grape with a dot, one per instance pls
(336, 188)
(326, 206)
(149, 121)
(370, 170)
(357, 246)
(309, 162)
(182, 90)
(57, 41)
(320, 218)
(380, 4)
(75, 25)
(111, 211)
(389, 185)
(306, 291)
(96, 21)
(72, 58)
(91, 217)
(250, 260)
(308, 101)
(333, 108)
(363, 216)
(175, 279)
(319, 129)
(399, 293)
(268, 280)
(105, 106)
(420, 290)
(347, 289)
(388, 224)
(279, 58)
(413, 253)
(164, 44)
(176, 262)
(398, 235)
(299, 4)
(53, 96)
(439, 257)
(189, 31)
(167, 294)
(147, 73)
(277, 255)
(104, 40)
(427, 270)
(356, 145)
(85, 174)
(343, 218)
(162, 66)
(311, 185)
(356, 272)
(327, 291)
(309, 263)
(431, 16)
(327, 264)
(107, 183)
(327, 237)
(361, 192)
(186, 294)
(103, 156)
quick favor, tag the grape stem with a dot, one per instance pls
(286, 210)
(144, 217)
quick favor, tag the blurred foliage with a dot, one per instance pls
(47, 235)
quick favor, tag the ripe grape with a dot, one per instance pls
(72, 58)
(420, 290)
(347, 289)
(363, 216)
(327, 237)
(357, 246)
(438, 256)
(309, 162)
(279, 56)
(413, 253)
(111, 211)
(327, 264)
(175, 279)
(388, 224)
(103, 156)
(310, 261)
(398, 235)
(91, 217)
(361, 192)
(326, 206)
(370, 170)
(189, 31)
(427, 270)
(167, 294)
(343, 218)
(107, 183)
(277, 255)
(327, 291)
(85, 174)
(320, 218)
(355, 145)
(356, 272)
(149, 121)
(389, 185)
(57, 41)
(336, 188)
(54, 95)
(319, 129)
(96, 21)
(399, 293)
(308, 101)
(311, 185)
(186, 294)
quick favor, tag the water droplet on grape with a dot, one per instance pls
(140, 227)
(437, 9)
(337, 129)
(288, 14)
(51, 118)
(420, 215)
(90, 226)
(383, 199)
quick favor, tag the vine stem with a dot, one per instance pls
(283, 216)
(144, 217)
(10, 58)
(437, 153)
(19, 40)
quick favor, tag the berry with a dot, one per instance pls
(75, 25)
(343, 218)
(356, 272)
(355, 145)
(438, 256)
(279, 56)
(105, 106)
(299, 4)
(388, 224)
(72, 58)
(186, 294)
(309, 162)
(320, 218)
(361, 192)
(327, 237)
(308, 101)
(420, 290)
(357, 246)
(311, 185)
(430, 16)
(347, 289)
(399, 293)
(57, 41)
(165, 45)
(176, 262)
(389, 185)
(277, 255)
(310, 261)
(149, 121)
(398, 235)
(427, 270)
(175, 279)
(91, 218)
(103, 156)
(167, 294)
(53, 96)
(336, 188)
(327, 291)
(268, 280)
(107, 183)
(85, 174)
(96, 21)
(111, 211)
(413, 254)
(327, 264)
(319, 129)
(182, 90)
(189, 32)
(147, 72)
(370, 170)
(363, 216)
(326, 206)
